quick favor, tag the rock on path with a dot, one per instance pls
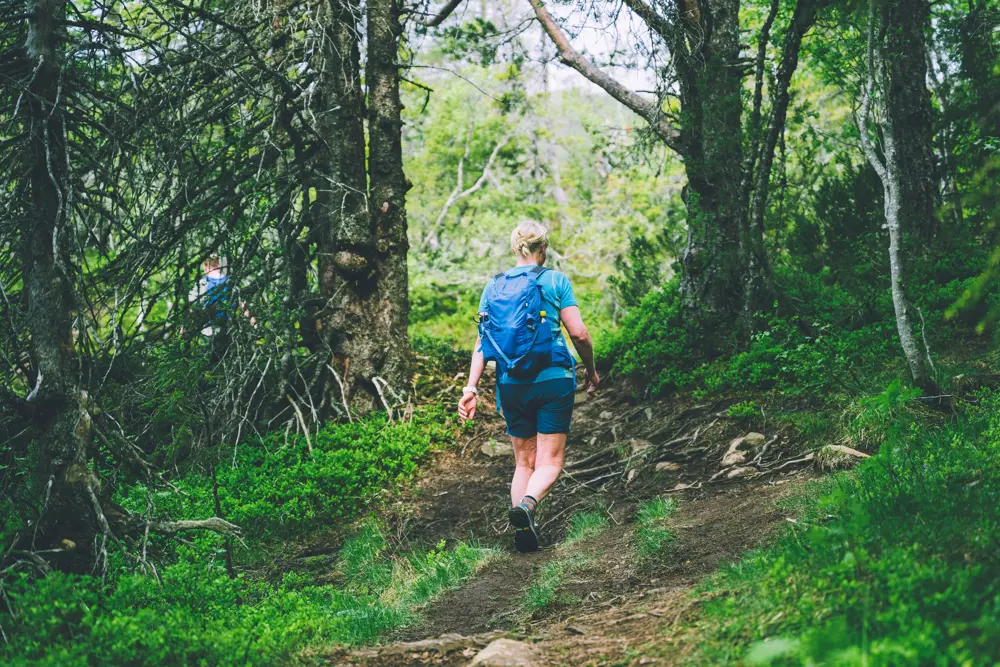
(509, 653)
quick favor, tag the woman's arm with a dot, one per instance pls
(580, 336)
(467, 404)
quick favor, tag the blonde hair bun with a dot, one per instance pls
(528, 238)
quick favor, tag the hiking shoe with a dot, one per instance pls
(525, 533)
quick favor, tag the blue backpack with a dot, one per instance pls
(514, 331)
(217, 295)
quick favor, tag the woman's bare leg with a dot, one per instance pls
(548, 462)
(524, 462)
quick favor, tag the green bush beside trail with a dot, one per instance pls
(277, 491)
(895, 563)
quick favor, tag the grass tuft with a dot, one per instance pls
(585, 525)
(652, 536)
(542, 591)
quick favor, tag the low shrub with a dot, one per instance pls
(654, 343)
(896, 563)
(285, 484)
(197, 615)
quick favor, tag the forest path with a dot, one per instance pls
(609, 603)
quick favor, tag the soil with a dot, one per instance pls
(619, 604)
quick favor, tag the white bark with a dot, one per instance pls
(890, 172)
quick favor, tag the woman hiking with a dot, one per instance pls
(520, 313)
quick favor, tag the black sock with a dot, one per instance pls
(530, 502)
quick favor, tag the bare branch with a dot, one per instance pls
(648, 110)
(802, 20)
(652, 19)
(758, 94)
(458, 193)
(214, 524)
(434, 20)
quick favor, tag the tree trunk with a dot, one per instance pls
(363, 244)
(725, 266)
(897, 275)
(387, 202)
(726, 274)
(896, 175)
(66, 484)
(908, 102)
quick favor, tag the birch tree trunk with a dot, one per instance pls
(895, 175)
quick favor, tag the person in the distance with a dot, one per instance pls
(519, 323)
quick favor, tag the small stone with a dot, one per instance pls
(631, 475)
(740, 472)
(680, 486)
(848, 450)
(740, 447)
(667, 466)
(508, 653)
(579, 397)
(734, 456)
(838, 457)
(639, 446)
(606, 415)
(494, 448)
(649, 414)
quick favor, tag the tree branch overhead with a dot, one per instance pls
(648, 110)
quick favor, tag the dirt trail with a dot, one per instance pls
(616, 604)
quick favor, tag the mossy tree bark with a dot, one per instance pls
(725, 267)
(387, 199)
(908, 102)
(362, 221)
(67, 522)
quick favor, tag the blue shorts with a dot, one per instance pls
(541, 407)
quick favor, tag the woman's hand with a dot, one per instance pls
(593, 379)
(467, 406)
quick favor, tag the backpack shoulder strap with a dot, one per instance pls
(499, 275)
(538, 270)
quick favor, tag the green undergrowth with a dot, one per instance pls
(651, 533)
(894, 563)
(544, 589)
(197, 615)
(819, 340)
(282, 489)
(286, 486)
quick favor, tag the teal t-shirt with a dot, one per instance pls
(557, 293)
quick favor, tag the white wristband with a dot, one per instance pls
(470, 389)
